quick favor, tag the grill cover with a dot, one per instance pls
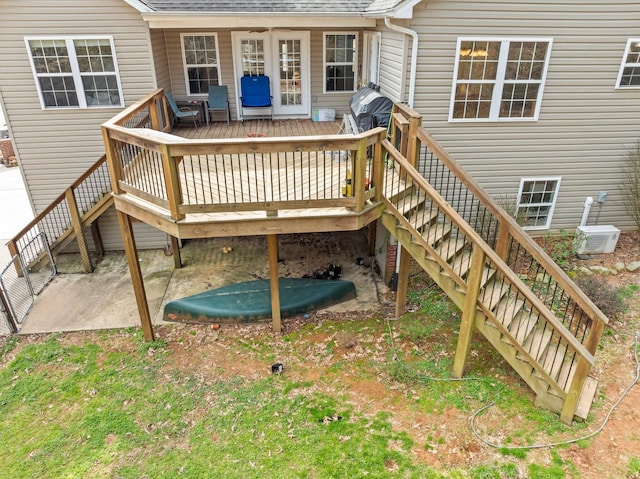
(370, 108)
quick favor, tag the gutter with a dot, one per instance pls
(414, 57)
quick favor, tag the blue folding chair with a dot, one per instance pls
(181, 112)
(218, 101)
(255, 93)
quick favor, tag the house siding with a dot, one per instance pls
(585, 126)
(392, 77)
(55, 146)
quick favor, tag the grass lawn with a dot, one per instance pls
(355, 399)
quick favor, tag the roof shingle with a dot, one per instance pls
(259, 6)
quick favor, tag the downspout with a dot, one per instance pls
(412, 94)
(414, 57)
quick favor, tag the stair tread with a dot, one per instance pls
(450, 248)
(421, 218)
(522, 325)
(586, 398)
(436, 233)
(492, 294)
(406, 204)
(537, 342)
(507, 310)
(553, 360)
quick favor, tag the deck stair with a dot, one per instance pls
(522, 303)
(519, 334)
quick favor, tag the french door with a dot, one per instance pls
(284, 58)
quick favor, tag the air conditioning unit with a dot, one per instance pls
(596, 239)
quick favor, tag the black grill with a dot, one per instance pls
(370, 108)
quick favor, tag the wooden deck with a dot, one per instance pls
(268, 128)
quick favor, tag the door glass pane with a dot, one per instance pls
(289, 58)
(252, 57)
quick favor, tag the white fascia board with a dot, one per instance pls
(141, 7)
(244, 22)
(402, 11)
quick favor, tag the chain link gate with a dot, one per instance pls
(22, 279)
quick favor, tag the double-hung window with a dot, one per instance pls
(629, 76)
(536, 201)
(499, 79)
(340, 62)
(201, 67)
(78, 72)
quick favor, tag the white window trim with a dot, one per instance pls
(624, 64)
(325, 64)
(371, 43)
(185, 66)
(75, 71)
(500, 81)
(552, 205)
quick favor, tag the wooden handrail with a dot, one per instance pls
(463, 226)
(59, 199)
(514, 229)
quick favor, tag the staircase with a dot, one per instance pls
(505, 285)
(65, 220)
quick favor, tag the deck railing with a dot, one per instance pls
(65, 219)
(232, 175)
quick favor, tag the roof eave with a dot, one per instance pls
(255, 20)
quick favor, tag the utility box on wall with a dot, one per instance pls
(596, 239)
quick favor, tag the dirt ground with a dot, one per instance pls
(605, 456)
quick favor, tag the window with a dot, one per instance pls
(629, 76)
(499, 79)
(536, 201)
(75, 72)
(340, 60)
(201, 69)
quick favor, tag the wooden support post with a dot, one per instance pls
(373, 231)
(97, 238)
(403, 281)
(177, 258)
(13, 251)
(272, 242)
(76, 221)
(502, 240)
(128, 239)
(469, 312)
(114, 161)
(359, 175)
(377, 176)
(172, 183)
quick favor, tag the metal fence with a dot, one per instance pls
(21, 280)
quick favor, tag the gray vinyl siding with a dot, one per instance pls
(392, 76)
(160, 60)
(585, 125)
(176, 66)
(55, 146)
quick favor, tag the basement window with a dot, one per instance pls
(78, 72)
(536, 202)
(499, 79)
(629, 75)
